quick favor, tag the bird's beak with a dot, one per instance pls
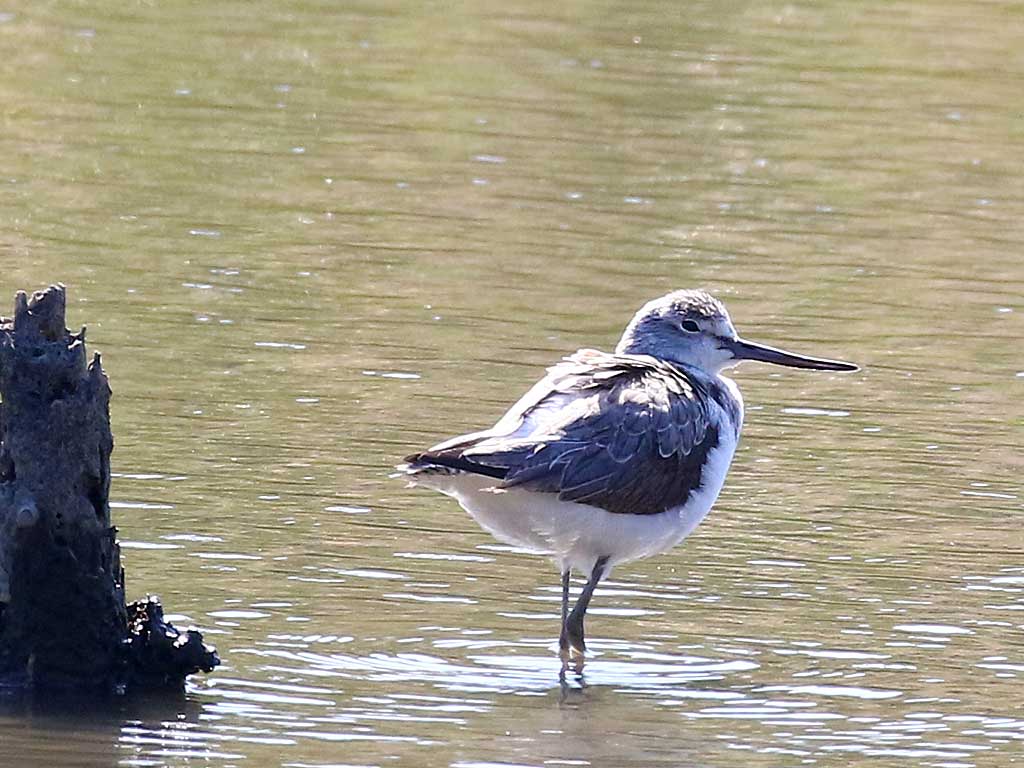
(748, 350)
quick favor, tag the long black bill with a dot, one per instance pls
(748, 350)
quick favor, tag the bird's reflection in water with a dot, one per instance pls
(574, 725)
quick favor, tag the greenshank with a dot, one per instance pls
(610, 457)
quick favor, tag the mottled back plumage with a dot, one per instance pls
(626, 433)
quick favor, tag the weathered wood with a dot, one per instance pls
(63, 619)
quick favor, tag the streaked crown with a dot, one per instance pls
(693, 304)
(683, 326)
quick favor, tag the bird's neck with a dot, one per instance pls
(731, 401)
(697, 356)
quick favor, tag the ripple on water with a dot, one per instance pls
(932, 629)
(819, 616)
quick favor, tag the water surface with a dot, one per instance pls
(310, 239)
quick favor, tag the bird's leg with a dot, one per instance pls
(574, 622)
(563, 637)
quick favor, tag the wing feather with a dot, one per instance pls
(626, 433)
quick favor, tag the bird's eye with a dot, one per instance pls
(690, 326)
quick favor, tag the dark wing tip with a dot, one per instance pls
(452, 460)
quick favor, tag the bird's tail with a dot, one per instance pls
(450, 462)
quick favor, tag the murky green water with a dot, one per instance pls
(311, 238)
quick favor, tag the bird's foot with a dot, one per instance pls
(572, 647)
(572, 661)
(577, 660)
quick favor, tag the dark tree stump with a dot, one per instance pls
(63, 619)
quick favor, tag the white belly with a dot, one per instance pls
(576, 535)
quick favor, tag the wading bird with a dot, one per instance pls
(610, 457)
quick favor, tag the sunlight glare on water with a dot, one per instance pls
(310, 239)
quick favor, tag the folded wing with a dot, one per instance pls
(626, 433)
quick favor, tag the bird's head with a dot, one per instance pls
(694, 328)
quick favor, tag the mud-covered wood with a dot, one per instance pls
(63, 618)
